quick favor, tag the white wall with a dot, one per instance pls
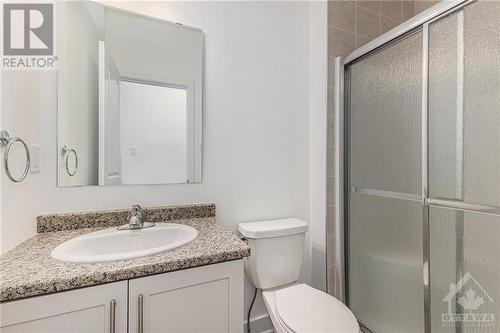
(318, 140)
(153, 124)
(21, 116)
(256, 123)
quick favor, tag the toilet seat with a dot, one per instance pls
(302, 309)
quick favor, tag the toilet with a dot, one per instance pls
(277, 248)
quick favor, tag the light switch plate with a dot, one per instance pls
(35, 159)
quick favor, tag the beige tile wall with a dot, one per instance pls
(350, 25)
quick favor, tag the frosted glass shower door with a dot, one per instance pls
(475, 271)
(464, 105)
(384, 191)
(464, 169)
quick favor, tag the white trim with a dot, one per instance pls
(416, 21)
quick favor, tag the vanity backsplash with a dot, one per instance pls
(117, 217)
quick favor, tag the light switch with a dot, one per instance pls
(132, 151)
(35, 159)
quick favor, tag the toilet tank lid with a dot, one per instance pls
(272, 228)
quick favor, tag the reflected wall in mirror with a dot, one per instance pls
(129, 98)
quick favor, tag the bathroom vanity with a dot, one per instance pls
(193, 288)
(193, 300)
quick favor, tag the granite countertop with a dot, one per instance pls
(29, 270)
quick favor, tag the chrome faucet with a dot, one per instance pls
(136, 221)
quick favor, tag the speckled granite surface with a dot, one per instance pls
(116, 217)
(29, 270)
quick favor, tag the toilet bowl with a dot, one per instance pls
(274, 265)
(300, 308)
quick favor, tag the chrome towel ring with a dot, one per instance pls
(6, 140)
(65, 151)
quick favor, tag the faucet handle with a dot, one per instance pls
(136, 221)
(136, 209)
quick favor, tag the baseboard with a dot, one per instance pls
(260, 324)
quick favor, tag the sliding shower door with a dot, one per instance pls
(464, 169)
(422, 177)
(384, 190)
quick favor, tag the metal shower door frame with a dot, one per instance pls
(342, 167)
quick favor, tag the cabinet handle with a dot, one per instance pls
(141, 314)
(112, 314)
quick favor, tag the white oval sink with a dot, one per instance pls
(112, 244)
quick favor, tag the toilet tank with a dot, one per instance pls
(276, 251)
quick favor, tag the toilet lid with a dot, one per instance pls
(303, 309)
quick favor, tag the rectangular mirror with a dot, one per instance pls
(129, 98)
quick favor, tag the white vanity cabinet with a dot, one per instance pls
(96, 309)
(197, 300)
(202, 299)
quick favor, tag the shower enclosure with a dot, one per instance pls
(421, 171)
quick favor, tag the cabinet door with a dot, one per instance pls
(81, 310)
(202, 299)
